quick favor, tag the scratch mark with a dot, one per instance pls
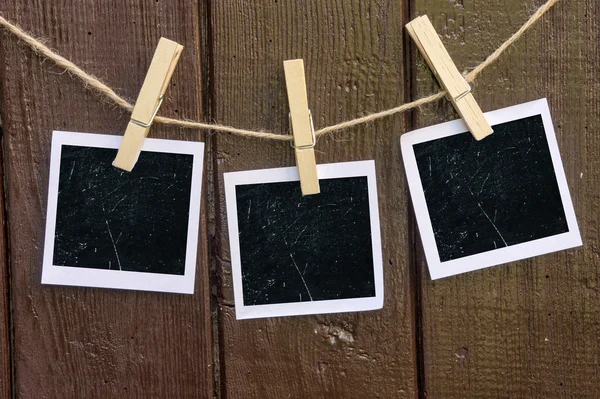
(488, 218)
(107, 195)
(112, 240)
(429, 166)
(297, 238)
(117, 204)
(290, 226)
(320, 206)
(486, 179)
(348, 211)
(301, 276)
(477, 171)
(249, 209)
(529, 149)
(505, 149)
(72, 168)
(304, 271)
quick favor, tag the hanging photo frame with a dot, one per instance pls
(483, 203)
(128, 230)
(297, 255)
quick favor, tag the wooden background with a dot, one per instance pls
(525, 330)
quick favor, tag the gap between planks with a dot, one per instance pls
(415, 274)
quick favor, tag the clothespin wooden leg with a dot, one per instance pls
(459, 91)
(302, 126)
(148, 102)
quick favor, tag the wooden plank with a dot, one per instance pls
(5, 355)
(353, 52)
(528, 329)
(80, 342)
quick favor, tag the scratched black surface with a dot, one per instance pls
(297, 249)
(111, 219)
(492, 193)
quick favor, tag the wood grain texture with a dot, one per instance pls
(94, 343)
(528, 329)
(353, 53)
(5, 355)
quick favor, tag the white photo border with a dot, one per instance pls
(438, 269)
(84, 277)
(277, 175)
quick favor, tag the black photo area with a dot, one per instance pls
(312, 248)
(492, 193)
(111, 219)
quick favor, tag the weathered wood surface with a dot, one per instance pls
(85, 342)
(529, 329)
(353, 54)
(5, 356)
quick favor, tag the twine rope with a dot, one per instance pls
(100, 87)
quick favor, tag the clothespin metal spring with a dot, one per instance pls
(312, 129)
(146, 125)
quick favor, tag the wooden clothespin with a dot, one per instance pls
(459, 91)
(148, 102)
(302, 126)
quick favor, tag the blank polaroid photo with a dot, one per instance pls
(295, 255)
(498, 200)
(109, 228)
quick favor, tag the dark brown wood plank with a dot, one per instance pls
(527, 329)
(353, 53)
(82, 342)
(5, 355)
